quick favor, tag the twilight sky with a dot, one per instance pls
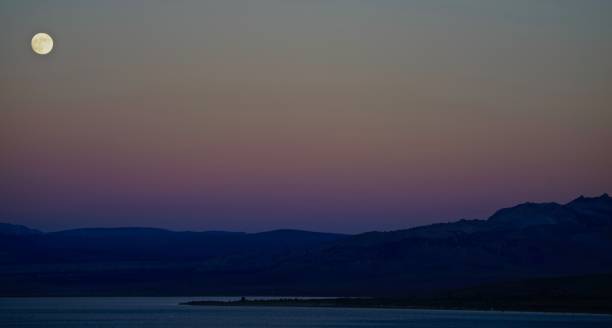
(335, 115)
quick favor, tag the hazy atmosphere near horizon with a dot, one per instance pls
(339, 115)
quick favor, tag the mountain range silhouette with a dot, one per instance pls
(527, 241)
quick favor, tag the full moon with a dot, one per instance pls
(42, 43)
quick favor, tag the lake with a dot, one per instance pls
(165, 312)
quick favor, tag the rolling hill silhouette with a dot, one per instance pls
(528, 241)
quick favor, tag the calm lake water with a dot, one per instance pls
(165, 312)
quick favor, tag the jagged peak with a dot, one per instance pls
(530, 205)
(530, 214)
(582, 198)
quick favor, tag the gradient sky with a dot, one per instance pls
(336, 115)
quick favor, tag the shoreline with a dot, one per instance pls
(449, 305)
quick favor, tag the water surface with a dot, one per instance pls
(165, 312)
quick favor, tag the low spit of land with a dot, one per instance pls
(536, 305)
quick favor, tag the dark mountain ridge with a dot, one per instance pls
(526, 241)
(17, 230)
